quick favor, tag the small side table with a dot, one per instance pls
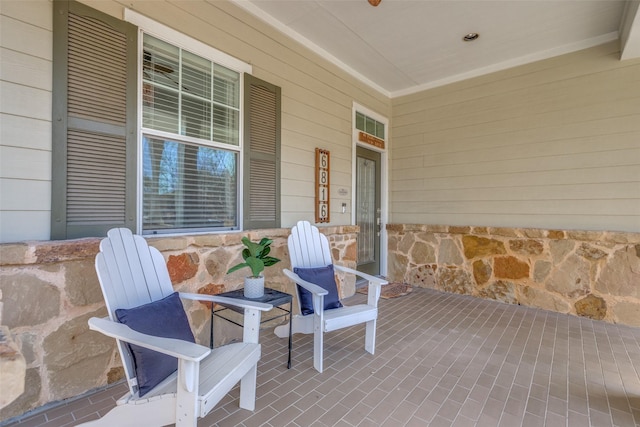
(271, 296)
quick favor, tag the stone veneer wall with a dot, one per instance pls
(586, 273)
(48, 291)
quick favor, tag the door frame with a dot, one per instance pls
(384, 176)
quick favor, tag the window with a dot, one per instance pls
(190, 140)
(149, 131)
(188, 186)
(369, 125)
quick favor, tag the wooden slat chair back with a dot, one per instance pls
(131, 273)
(308, 248)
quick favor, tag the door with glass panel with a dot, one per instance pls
(368, 181)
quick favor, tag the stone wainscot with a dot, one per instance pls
(585, 273)
(49, 290)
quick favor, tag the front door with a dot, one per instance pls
(368, 181)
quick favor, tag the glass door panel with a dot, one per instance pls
(368, 210)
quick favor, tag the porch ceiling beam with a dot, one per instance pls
(630, 31)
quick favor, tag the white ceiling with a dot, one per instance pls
(403, 46)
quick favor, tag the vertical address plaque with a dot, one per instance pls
(322, 185)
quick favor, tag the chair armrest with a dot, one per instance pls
(371, 279)
(227, 301)
(314, 289)
(317, 293)
(173, 347)
(375, 284)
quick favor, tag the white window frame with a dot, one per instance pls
(149, 26)
(384, 175)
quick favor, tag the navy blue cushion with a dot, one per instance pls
(163, 318)
(323, 277)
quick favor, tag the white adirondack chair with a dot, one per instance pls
(308, 248)
(131, 273)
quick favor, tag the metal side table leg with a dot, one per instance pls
(290, 330)
(211, 333)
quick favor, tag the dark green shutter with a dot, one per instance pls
(94, 122)
(261, 195)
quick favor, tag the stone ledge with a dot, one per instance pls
(54, 251)
(47, 252)
(15, 254)
(616, 237)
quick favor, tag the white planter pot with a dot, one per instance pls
(254, 287)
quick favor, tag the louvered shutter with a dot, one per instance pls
(261, 154)
(94, 122)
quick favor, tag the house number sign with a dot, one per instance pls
(322, 185)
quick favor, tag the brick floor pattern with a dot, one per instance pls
(441, 360)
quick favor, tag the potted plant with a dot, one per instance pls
(256, 257)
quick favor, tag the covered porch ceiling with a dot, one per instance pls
(405, 46)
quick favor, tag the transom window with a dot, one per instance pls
(369, 125)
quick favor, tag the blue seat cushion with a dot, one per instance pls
(163, 318)
(323, 277)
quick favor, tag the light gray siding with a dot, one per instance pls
(549, 144)
(317, 96)
(553, 144)
(316, 103)
(25, 119)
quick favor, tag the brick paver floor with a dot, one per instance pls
(441, 360)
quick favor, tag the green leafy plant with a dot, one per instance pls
(256, 256)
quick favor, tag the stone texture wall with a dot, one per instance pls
(48, 291)
(584, 273)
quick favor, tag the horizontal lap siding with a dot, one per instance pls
(554, 144)
(25, 120)
(317, 96)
